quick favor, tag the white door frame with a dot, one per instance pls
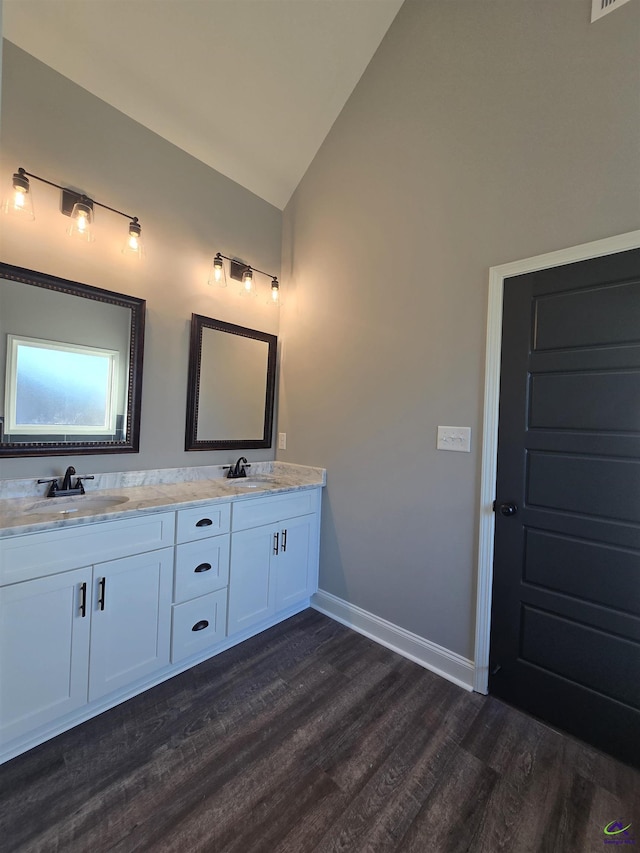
(497, 275)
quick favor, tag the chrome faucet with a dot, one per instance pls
(56, 491)
(239, 469)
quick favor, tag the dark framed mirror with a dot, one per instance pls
(231, 386)
(71, 362)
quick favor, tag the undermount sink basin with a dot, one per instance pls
(81, 503)
(247, 482)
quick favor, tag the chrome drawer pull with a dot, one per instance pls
(203, 567)
(200, 626)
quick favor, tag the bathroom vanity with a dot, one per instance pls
(97, 605)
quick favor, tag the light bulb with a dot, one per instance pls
(274, 297)
(218, 275)
(133, 245)
(248, 286)
(18, 200)
(81, 221)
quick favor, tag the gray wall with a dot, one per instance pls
(481, 133)
(56, 129)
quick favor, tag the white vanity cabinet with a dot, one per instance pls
(274, 556)
(71, 635)
(95, 612)
(199, 612)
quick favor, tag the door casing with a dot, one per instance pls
(497, 275)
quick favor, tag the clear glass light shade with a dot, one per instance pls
(274, 293)
(81, 226)
(248, 283)
(218, 276)
(17, 201)
(133, 245)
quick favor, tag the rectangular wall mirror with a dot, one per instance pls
(71, 366)
(231, 386)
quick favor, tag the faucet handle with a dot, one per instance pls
(53, 488)
(80, 479)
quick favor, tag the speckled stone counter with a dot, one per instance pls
(24, 508)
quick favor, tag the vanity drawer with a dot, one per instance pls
(35, 555)
(202, 521)
(270, 510)
(201, 567)
(198, 624)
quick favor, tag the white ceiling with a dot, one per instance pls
(250, 87)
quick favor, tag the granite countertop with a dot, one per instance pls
(159, 491)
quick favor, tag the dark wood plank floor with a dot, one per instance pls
(306, 738)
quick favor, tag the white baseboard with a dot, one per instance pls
(431, 656)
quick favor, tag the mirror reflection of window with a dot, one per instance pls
(57, 387)
(79, 389)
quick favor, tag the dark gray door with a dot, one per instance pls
(565, 630)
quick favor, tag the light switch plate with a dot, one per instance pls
(282, 441)
(454, 438)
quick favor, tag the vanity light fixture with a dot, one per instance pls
(244, 273)
(77, 206)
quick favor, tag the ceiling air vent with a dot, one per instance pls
(599, 8)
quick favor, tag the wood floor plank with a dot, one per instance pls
(505, 739)
(362, 751)
(501, 827)
(312, 795)
(451, 816)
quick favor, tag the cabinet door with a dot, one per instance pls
(44, 650)
(252, 595)
(292, 566)
(131, 620)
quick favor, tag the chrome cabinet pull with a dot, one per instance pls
(276, 538)
(102, 586)
(284, 540)
(83, 600)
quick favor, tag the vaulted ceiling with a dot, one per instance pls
(250, 87)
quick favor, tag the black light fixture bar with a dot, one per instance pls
(70, 197)
(241, 267)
